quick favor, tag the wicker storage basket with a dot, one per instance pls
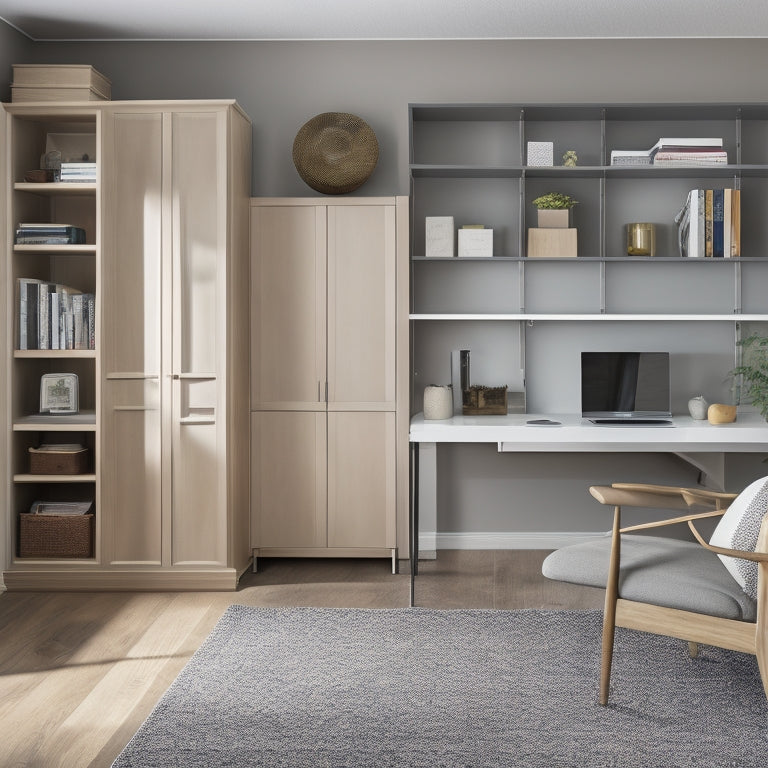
(44, 461)
(491, 401)
(55, 535)
(335, 152)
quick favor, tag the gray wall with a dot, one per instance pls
(15, 48)
(283, 84)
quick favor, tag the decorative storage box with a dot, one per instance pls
(491, 401)
(62, 459)
(55, 535)
(59, 82)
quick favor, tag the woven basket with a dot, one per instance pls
(55, 535)
(335, 152)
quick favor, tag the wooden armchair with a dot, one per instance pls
(712, 592)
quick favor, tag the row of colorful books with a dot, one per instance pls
(709, 224)
(675, 152)
(54, 316)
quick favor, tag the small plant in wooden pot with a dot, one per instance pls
(554, 210)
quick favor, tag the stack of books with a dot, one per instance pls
(688, 151)
(709, 224)
(54, 316)
(675, 152)
(49, 234)
(78, 172)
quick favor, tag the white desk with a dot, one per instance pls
(700, 443)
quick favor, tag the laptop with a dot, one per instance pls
(626, 387)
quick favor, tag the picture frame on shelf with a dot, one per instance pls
(59, 393)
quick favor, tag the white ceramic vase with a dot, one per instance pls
(438, 402)
(697, 407)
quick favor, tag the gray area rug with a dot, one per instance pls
(456, 689)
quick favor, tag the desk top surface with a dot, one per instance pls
(573, 433)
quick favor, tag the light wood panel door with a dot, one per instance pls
(132, 457)
(288, 307)
(361, 307)
(288, 482)
(361, 479)
(198, 251)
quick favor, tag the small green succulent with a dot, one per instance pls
(555, 201)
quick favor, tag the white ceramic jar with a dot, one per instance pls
(438, 402)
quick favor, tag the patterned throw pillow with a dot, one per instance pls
(739, 528)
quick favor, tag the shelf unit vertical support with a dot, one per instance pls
(602, 217)
(521, 197)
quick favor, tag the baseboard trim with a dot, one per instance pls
(430, 541)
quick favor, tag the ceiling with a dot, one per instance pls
(48, 20)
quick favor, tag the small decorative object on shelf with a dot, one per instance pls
(570, 158)
(541, 153)
(439, 237)
(490, 401)
(554, 237)
(58, 393)
(475, 241)
(720, 413)
(641, 239)
(438, 402)
(697, 407)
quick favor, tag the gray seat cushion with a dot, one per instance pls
(660, 571)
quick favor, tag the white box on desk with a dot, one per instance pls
(475, 243)
(439, 237)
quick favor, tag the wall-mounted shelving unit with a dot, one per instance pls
(526, 319)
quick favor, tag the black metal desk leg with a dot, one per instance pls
(413, 540)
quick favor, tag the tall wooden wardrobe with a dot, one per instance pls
(329, 377)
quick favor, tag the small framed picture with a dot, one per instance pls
(58, 393)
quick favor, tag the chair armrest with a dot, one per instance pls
(673, 521)
(635, 495)
(756, 557)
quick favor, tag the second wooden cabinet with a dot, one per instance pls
(329, 366)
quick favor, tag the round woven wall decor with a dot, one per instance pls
(335, 152)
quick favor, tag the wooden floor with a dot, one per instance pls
(79, 672)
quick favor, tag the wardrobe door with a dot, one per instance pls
(133, 453)
(361, 479)
(288, 300)
(288, 481)
(361, 307)
(198, 255)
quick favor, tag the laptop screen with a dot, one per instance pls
(625, 385)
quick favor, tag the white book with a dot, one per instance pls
(693, 228)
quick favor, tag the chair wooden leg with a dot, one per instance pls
(693, 650)
(609, 612)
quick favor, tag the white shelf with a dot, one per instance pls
(85, 421)
(596, 317)
(85, 248)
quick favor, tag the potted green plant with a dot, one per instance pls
(753, 372)
(554, 210)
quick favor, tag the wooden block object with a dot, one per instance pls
(552, 243)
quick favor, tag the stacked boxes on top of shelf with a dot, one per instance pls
(59, 82)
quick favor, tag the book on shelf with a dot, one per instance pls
(49, 234)
(630, 157)
(709, 224)
(54, 316)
